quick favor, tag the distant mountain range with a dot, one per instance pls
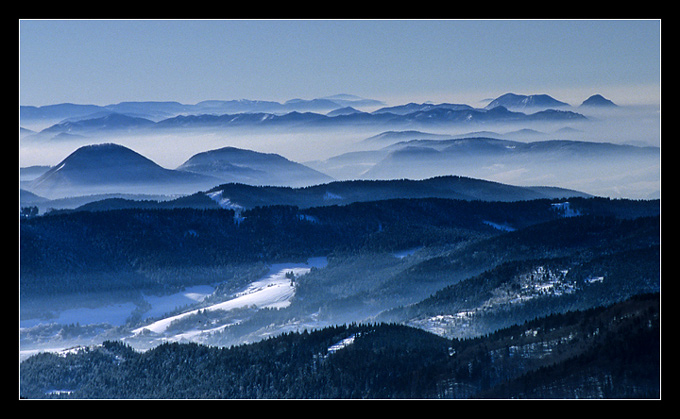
(542, 101)
(409, 152)
(156, 111)
(596, 168)
(339, 110)
(110, 168)
(432, 116)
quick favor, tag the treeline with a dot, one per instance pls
(125, 244)
(129, 242)
(137, 238)
(608, 352)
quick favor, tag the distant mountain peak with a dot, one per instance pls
(348, 110)
(95, 168)
(238, 165)
(104, 149)
(97, 158)
(598, 100)
(515, 101)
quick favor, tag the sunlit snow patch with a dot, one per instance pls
(342, 344)
(274, 290)
(497, 226)
(226, 203)
(404, 253)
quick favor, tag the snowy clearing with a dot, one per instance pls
(404, 253)
(342, 344)
(497, 226)
(272, 291)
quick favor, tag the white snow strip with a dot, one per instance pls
(404, 253)
(342, 344)
(502, 227)
(272, 291)
(224, 203)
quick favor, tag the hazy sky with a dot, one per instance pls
(103, 62)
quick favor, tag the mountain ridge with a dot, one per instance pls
(351, 191)
(156, 115)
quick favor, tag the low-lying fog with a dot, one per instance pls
(631, 125)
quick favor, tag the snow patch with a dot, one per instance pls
(310, 218)
(342, 344)
(536, 283)
(404, 253)
(565, 209)
(330, 196)
(58, 392)
(497, 226)
(225, 203)
(275, 290)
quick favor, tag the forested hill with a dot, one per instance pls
(606, 352)
(60, 251)
(345, 192)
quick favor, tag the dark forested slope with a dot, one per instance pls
(58, 251)
(608, 352)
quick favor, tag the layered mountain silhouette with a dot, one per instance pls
(596, 168)
(156, 111)
(339, 110)
(231, 164)
(103, 168)
(347, 192)
(112, 168)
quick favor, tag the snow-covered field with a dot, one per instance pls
(274, 290)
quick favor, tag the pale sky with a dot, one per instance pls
(103, 62)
